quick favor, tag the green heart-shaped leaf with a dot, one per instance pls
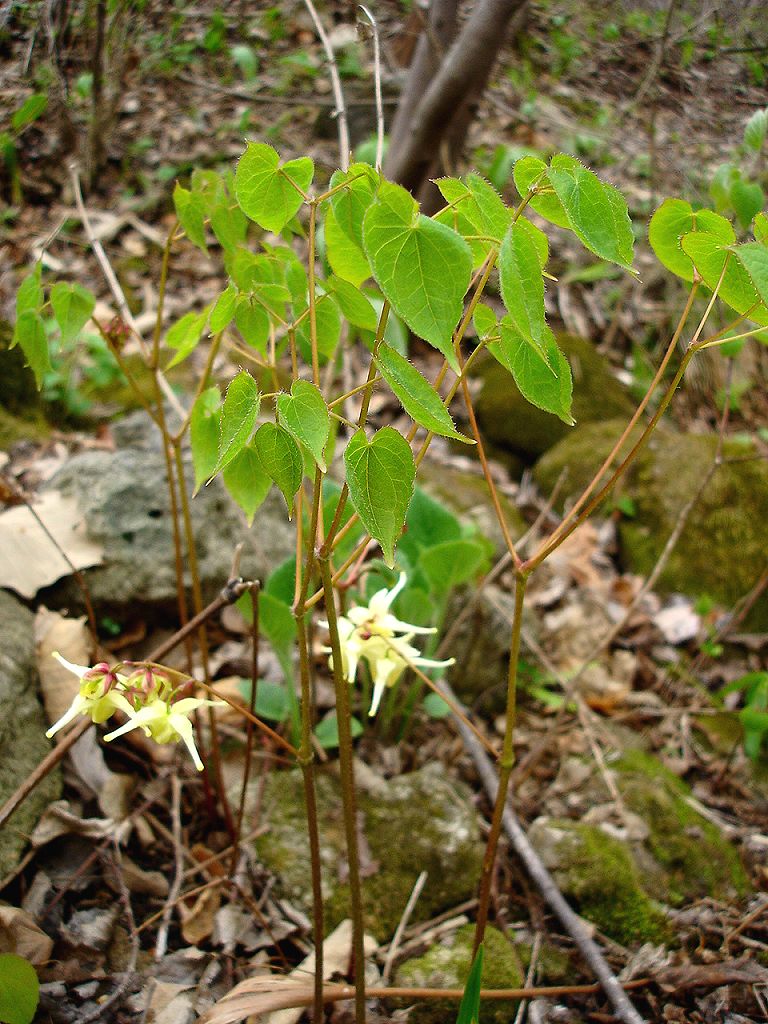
(281, 459)
(305, 414)
(380, 476)
(268, 192)
(422, 267)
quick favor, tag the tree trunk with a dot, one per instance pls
(443, 90)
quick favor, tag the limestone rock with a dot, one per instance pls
(723, 544)
(125, 504)
(447, 964)
(510, 422)
(22, 730)
(413, 823)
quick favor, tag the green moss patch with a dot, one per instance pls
(447, 966)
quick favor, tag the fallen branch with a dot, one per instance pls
(544, 881)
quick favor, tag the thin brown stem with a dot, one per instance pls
(506, 763)
(349, 799)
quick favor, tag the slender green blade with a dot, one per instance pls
(417, 396)
(469, 1008)
(380, 476)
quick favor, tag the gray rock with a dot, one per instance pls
(125, 503)
(22, 730)
(413, 823)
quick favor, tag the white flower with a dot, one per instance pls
(370, 633)
(99, 695)
(166, 723)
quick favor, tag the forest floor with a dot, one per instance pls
(653, 111)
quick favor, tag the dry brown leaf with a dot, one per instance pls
(29, 559)
(197, 921)
(256, 996)
(19, 934)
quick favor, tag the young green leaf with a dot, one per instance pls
(327, 731)
(756, 130)
(72, 307)
(422, 267)
(305, 415)
(204, 431)
(29, 297)
(541, 372)
(747, 199)
(597, 211)
(29, 334)
(268, 192)
(675, 218)
(485, 321)
(281, 459)
(350, 204)
(19, 989)
(355, 307)
(238, 417)
(469, 1008)
(417, 396)
(760, 228)
(252, 320)
(228, 224)
(32, 108)
(531, 171)
(710, 256)
(753, 256)
(345, 256)
(223, 309)
(271, 699)
(380, 476)
(452, 563)
(522, 286)
(493, 216)
(246, 481)
(190, 209)
(185, 334)
(328, 323)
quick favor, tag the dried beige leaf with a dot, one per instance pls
(19, 934)
(29, 559)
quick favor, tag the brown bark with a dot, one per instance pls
(441, 95)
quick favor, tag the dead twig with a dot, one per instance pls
(573, 924)
(402, 925)
(340, 112)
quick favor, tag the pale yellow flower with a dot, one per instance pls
(166, 723)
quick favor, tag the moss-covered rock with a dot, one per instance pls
(675, 857)
(689, 857)
(447, 965)
(510, 422)
(723, 544)
(414, 823)
(22, 730)
(597, 872)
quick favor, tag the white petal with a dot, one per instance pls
(378, 693)
(76, 670)
(75, 708)
(187, 734)
(390, 622)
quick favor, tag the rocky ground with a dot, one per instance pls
(632, 777)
